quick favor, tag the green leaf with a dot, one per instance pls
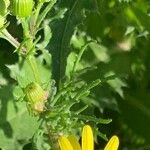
(62, 32)
(24, 74)
(16, 126)
(94, 119)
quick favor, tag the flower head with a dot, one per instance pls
(71, 143)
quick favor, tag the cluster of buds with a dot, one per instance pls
(35, 97)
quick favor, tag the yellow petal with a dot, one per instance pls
(74, 142)
(113, 143)
(64, 143)
(87, 138)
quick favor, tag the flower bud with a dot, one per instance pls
(35, 97)
(21, 8)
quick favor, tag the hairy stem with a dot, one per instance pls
(34, 19)
(32, 62)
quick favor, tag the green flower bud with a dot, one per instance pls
(21, 8)
(35, 97)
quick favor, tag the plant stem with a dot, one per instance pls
(44, 13)
(27, 34)
(33, 21)
(52, 137)
(32, 62)
(30, 59)
(7, 36)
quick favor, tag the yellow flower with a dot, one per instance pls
(71, 143)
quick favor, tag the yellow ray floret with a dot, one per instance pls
(71, 143)
(87, 138)
(64, 143)
(74, 142)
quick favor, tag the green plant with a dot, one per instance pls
(67, 63)
(51, 96)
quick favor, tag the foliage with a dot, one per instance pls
(90, 62)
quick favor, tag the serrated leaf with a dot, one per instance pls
(62, 33)
(94, 119)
